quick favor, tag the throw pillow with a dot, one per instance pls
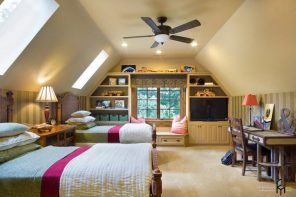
(137, 120)
(179, 126)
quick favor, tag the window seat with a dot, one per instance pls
(166, 138)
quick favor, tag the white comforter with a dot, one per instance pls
(109, 170)
(135, 133)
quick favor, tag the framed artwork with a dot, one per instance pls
(119, 104)
(112, 81)
(103, 104)
(121, 81)
(267, 116)
(187, 68)
(128, 68)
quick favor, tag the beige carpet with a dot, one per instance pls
(197, 171)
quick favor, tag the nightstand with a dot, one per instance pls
(60, 135)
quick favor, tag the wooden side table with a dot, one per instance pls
(60, 135)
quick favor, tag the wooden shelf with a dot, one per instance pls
(113, 86)
(204, 86)
(159, 73)
(208, 96)
(108, 109)
(109, 97)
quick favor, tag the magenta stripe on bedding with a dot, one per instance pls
(113, 134)
(50, 184)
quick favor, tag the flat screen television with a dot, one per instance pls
(208, 109)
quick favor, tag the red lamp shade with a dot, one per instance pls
(250, 100)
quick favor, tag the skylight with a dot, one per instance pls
(90, 70)
(20, 21)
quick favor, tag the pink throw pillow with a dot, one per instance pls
(135, 120)
(179, 126)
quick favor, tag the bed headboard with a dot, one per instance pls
(68, 103)
(6, 107)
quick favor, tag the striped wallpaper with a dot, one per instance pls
(27, 110)
(281, 100)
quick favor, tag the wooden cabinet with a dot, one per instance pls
(60, 135)
(208, 133)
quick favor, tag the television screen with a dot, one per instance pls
(208, 109)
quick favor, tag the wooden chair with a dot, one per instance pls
(240, 143)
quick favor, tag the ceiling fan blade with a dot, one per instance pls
(185, 26)
(155, 44)
(128, 37)
(151, 24)
(181, 39)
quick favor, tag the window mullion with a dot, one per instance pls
(158, 103)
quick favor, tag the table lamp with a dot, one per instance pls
(46, 95)
(250, 100)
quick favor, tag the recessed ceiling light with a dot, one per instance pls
(158, 52)
(194, 44)
(124, 44)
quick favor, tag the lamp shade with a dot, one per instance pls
(250, 100)
(46, 94)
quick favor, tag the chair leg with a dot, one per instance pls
(244, 163)
(253, 160)
(233, 159)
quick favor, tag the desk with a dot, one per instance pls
(274, 140)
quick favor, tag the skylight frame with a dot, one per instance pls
(91, 70)
(20, 21)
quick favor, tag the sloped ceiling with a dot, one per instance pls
(60, 52)
(119, 18)
(254, 52)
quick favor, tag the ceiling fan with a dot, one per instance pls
(163, 32)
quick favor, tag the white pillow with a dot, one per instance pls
(11, 129)
(80, 114)
(85, 119)
(18, 140)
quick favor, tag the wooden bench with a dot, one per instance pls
(166, 138)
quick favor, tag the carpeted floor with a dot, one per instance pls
(196, 171)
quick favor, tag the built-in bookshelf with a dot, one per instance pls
(203, 95)
(110, 102)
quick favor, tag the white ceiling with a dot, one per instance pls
(119, 18)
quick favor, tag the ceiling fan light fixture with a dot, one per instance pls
(161, 38)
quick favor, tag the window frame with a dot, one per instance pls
(158, 109)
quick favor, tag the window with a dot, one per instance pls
(158, 103)
(169, 102)
(90, 70)
(20, 21)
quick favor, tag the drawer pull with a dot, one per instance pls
(256, 139)
(178, 140)
(165, 140)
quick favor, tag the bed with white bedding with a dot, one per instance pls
(127, 133)
(99, 170)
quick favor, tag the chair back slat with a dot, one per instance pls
(237, 132)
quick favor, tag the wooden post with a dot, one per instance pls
(10, 101)
(154, 135)
(156, 183)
